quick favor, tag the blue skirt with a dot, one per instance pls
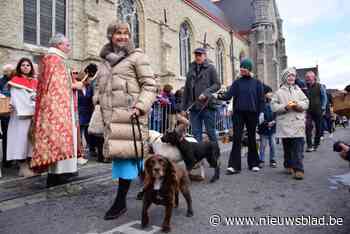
(125, 169)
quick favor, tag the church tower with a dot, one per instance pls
(262, 39)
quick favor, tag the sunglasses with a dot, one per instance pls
(75, 73)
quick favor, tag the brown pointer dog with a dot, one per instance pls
(163, 181)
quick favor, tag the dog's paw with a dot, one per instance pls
(166, 229)
(189, 213)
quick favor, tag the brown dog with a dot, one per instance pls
(163, 181)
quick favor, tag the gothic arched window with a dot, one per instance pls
(127, 12)
(185, 48)
(220, 54)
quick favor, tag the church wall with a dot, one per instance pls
(87, 21)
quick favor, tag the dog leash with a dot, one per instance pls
(139, 158)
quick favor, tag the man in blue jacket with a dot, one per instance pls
(248, 102)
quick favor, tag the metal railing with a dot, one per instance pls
(162, 117)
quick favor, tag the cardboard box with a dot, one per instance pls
(341, 104)
(4, 106)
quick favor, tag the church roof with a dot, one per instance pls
(240, 13)
(215, 13)
(214, 10)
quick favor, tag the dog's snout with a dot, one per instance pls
(156, 169)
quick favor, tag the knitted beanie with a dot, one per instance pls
(285, 74)
(247, 64)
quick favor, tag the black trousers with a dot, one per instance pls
(293, 149)
(250, 120)
(4, 126)
(312, 119)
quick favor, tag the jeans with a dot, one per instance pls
(88, 138)
(250, 120)
(197, 119)
(310, 119)
(293, 153)
(264, 140)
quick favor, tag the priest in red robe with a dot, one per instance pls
(55, 122)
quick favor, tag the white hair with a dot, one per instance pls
(8, 68)
(57, 39)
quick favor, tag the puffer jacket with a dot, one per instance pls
(130, 83)
(289, 124)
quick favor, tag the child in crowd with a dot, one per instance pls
(267, 130)
(23, 92)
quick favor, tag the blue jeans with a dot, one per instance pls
(197, 119)
(264, 140)
(294, 153)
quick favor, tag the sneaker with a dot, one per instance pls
(231, 171)
(331, 135)
(273, 164)
(310, 149)
(82, 161)
(255, 169)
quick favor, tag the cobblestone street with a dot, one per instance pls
(27, 207)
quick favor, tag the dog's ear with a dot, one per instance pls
(181, 129)
(148, 167)
(170, 170)
(148, 174)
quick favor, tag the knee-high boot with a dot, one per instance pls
(119, 206)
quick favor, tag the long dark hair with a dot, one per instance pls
(18, 68)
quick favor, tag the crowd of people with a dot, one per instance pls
(51, 111)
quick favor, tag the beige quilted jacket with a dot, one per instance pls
(289, 124)
(129, 83)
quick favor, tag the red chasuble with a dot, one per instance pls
(53, 125)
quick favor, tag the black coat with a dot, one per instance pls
(204, 81)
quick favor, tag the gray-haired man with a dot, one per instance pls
(55, 123)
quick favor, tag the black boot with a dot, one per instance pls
(119, 206)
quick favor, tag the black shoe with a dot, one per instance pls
(115, 212)
(273, 164)
(52, 180)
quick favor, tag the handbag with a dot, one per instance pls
(96, 126)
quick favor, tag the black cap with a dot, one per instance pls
(200, 50)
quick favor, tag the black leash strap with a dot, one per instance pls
(139, 158)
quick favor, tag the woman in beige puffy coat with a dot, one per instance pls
(290, 103)
(126, 86)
